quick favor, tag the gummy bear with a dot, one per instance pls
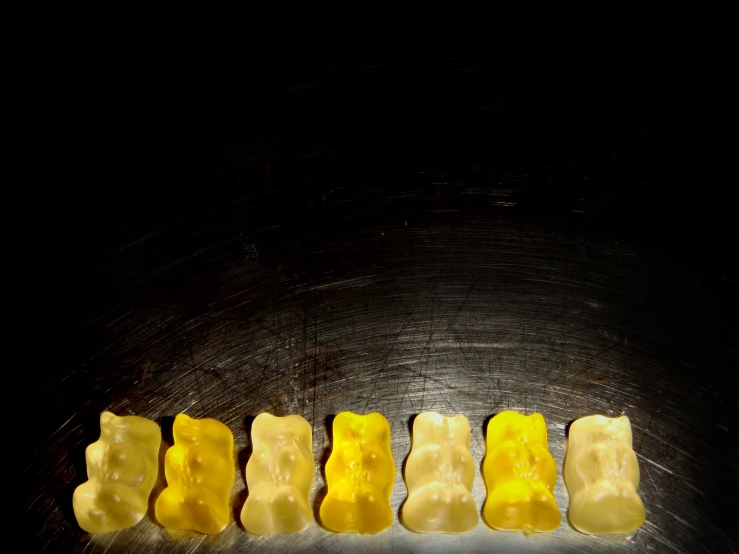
(200, 474)
(602, 474)
(439, 475)
(360, 474)
(122, 468)
(520, 475)
(279, 475)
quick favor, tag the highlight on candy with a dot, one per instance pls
(600, 471)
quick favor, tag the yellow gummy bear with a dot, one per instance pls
(602, 474)
(439, 475)
(122, 468)
(520, 474)
(200, 474)
(360, 474)
(279, 475)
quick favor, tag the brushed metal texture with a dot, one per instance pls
(453, 314)
(498, 247)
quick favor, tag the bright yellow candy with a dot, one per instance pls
(360, 474)
(602, 474)
(122, 468)
(519, 474)
(439, 475)
(200, 473)
(279, 475)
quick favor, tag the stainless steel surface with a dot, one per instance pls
(397, 235)
(470, 316)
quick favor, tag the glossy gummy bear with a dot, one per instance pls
(200, 474)
(520, 475)
(439, 473)
(602, 474)
(122, 469)
(360, 474)
(279, 475)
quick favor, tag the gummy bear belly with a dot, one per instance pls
(194, 508)
(440, 508)
(362, 511)
(105, 507)
(607, 506)
(522, 505)
(276, 509)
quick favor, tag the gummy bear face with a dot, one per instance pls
(279, 431)
(606, 430)
(521, 429)
(362, 462)
(208, 432)
(371, 428)
(284, 444)
(600, 461)
(531, 462)
(120, 462)
(446, 431)
(116, 429)
(443, 465)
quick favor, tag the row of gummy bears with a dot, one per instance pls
(601, 473)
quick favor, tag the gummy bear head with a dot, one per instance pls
(516, 427)
(603, 429)
(280, 431)
(372, 427)
(202, 431)
(449, 431)
(115, 429)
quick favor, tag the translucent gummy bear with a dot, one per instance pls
(279, 476)
(602, 474)
(200, 474)
(439, 473)
(360, 474)
(520, 475)
(122, 469)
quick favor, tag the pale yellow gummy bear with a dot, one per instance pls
(602, 474)
(122, 469)
(200, 474)
(279, 475)
(439, 475)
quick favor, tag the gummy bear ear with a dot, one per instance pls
(107, 417)
(623, 425)
(185, 428)
(378, 426)
(460, 425)
(260, 423)
(341, 425)
(434, 427)
(184, 421)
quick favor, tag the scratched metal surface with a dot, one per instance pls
(442, 288)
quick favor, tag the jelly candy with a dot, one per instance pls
(360, 474)
(200, 474)
(279, 475)
(122, 469)
(439, 475)
(520, 474)
(601, 473)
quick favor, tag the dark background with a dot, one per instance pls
(136, 177)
